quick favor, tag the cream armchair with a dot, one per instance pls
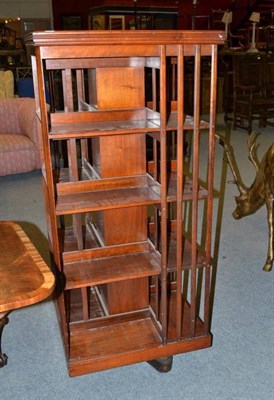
(19, 146)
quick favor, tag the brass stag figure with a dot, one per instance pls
(259, 193)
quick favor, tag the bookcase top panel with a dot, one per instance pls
(108, 37)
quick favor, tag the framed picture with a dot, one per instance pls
(116, 22)
(97, 22)
(71, 22)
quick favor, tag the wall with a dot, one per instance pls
(25, 8)
(34, 14)
(54, 10)
(186, 9)
(70, 7)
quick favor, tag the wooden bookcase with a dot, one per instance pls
(122, 194)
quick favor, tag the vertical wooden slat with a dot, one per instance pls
(156, 228)
(210, 178)
(163, 173)
(154, 89)
(195, 172)
(173, 81)
(72, 160)
(156, 243)
(81, 97)
(67, 90)
(80, 85)
(157, 312)
(155, 159)
(154, 107)
(180, 172)
(51, 90)
(173, 98)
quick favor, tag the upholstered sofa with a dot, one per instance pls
(19, 145)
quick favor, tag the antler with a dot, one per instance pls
(230, 159)
(252, 147)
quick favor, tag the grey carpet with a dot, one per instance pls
(240, 364)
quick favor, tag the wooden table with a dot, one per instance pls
(25, 278)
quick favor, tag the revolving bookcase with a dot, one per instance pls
(120, 168)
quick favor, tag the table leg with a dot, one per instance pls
(3, 321)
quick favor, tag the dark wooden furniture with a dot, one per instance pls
(10, 59)
(225, 71)
(135, 16)
(134, 274)
(25, 278)
(253, 97)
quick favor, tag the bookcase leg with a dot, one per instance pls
(163, 364)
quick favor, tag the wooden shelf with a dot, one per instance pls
(94, 260)
(172, 122)
(132, 338)
(110, 269)
(64, 125)
(109, 199)
(188, 189)
(186, 319)
(186, 259)
(100, 123)
(105, 194)
(93, 200)
(136, 334)
(102, 129)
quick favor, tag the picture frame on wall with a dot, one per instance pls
(71, 22)
(97, 22)
(116, 22)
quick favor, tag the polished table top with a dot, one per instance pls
(25, 278)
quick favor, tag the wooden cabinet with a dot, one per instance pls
(133, 16)
(123, 209)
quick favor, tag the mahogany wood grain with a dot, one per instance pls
(131, 341)
(110, 269)
(25, 278)
(106, 251)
